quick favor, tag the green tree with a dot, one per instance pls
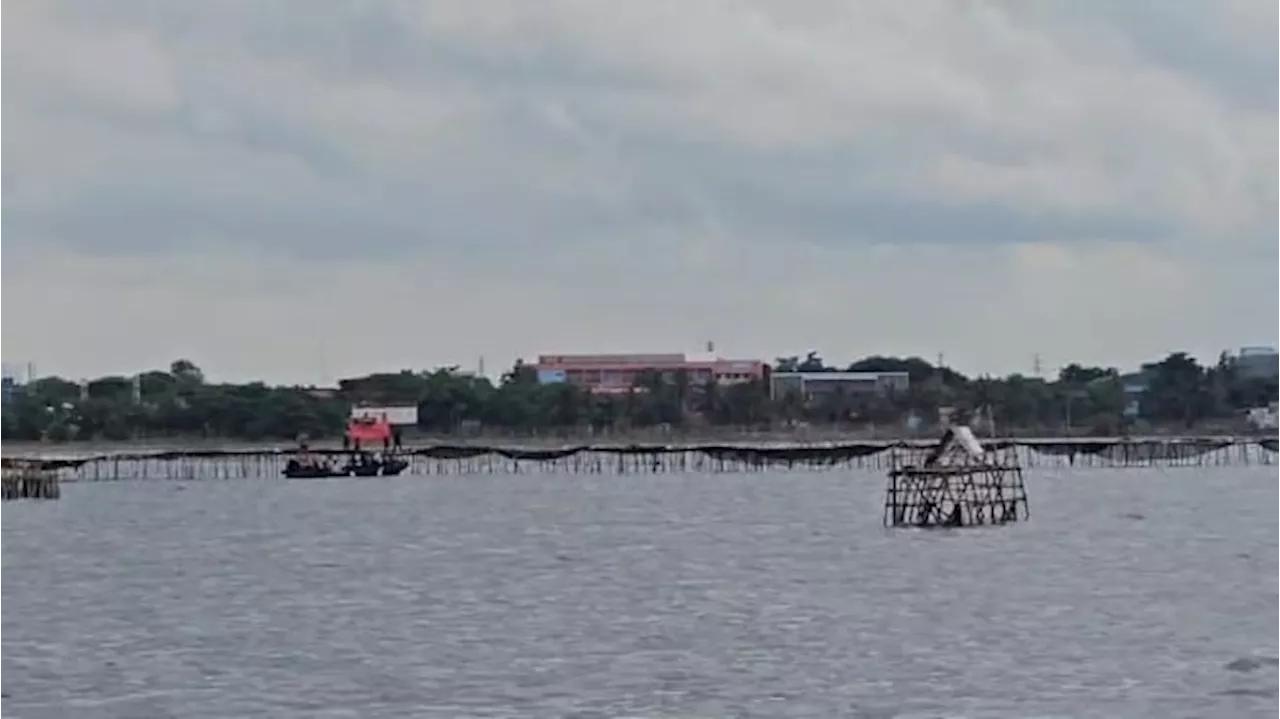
(186, 373)
(812, 363)
(182, 402)
(1178, 390)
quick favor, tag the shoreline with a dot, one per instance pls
(746, 440)
(647, 436)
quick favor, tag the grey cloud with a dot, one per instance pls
(1188, 38)
(887, 219)
(504, 179)
(142, 220)
(827, 198)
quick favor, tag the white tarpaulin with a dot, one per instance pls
(395, 415)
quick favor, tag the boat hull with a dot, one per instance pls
(313, 475)
(383, 468)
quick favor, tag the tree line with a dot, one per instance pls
(180, 402)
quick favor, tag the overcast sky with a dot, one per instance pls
(300, 191)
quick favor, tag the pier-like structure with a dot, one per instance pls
(29, 479)
(462, 459)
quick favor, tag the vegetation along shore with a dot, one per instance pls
(178, 405)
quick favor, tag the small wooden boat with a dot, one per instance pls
(369, 469)
(393, 466)
(294, 469)
(389, 467)
(360, 464)
(365, 465)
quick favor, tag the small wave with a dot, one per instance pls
(1251, 664)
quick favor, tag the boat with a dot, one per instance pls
(360, 463)
(365, 464)
(393, 466)
(369, 430)
(306, 469)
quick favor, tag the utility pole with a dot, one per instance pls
(1036, 368)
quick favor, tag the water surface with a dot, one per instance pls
(1130, 593)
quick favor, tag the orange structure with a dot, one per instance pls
(369, 430)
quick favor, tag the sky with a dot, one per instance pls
(302, 191)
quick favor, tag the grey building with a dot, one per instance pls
(1135, 387)
(819, 384)
(8, 386)
(1257, 363)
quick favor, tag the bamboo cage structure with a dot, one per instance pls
(474, 459)
(959, 483)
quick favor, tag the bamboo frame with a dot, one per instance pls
(969, 492)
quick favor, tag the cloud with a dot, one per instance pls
(302, 192)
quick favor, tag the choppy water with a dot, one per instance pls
(1134, 593)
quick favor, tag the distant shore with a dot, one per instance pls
(807, 435)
